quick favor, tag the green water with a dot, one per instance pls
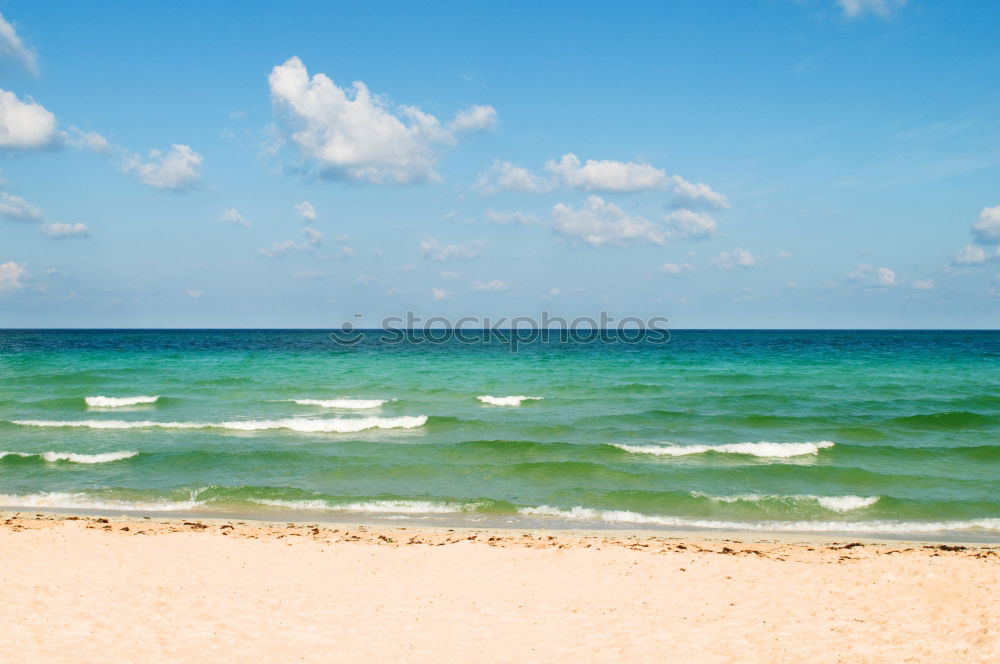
(871, 432)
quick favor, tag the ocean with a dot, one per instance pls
(874, 433)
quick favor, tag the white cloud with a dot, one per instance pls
(883, 8)
(505, 176)
(450, 276)
(346, 253)
(510, 217)
(86, 140)
(675, 268)
(25, 125)
(736, 258)
(66, 230)
(12, 48)
(365, 280)
(193, 293)
(475, 118)
(923, 284)
(176, 170)
(440, 294)
(969, 255)
(874, 276)
(278, 248)
(433, 250)
(690, 225)
(606, 175)
(314, 237)
(351, 134)
(15, 207)
(600, 223)
(232, 216)
(554, 292)
(306, 210)
(689, 193)
(11, 274)
(987, 229)
(495, 286)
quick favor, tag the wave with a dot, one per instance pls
(956, 420)
(118, 402)
(861, 527)
(761, 449)
(371, 506)
(832, 503)
(347, 404)
(506, 401)
(65, 500)
(71, 457)
(301, 425)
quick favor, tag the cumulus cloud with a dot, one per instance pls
(606, 175)
(349, 133)
(600, 223)
(969, 255)
(66, 230)
(476, 118)
(873, 276)
(314, 237)
(883, 8)
(175, 170)
(306, 210)
(987, 229)
(505, 176)
(737, 258)
(11, 274)
(440, 294)
(232, 216)
(675, 268)
(278, 248)
(436, 251)
(691, 194)
(18, 209)
(495, 286)
(366, 280)
(13, 48)
(923, 284)
(510, 217)
(25, 125)
(690, 225)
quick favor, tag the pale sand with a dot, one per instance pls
(84, 590)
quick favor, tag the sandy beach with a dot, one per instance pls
(92, 589)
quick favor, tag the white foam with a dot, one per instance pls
(506, 401)
(302, 425)
(833, 503)
(871, 527)
(369, 506)
(85, 501)
(72, 457)
(347, 404)
(762, 449)
(118, 402)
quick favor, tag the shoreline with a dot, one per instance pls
(493, 526)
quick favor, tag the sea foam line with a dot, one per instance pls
(347, 404)
(351, 425)
(72, 457)
(370, 506)
(118, 402)
(833, 503)
(66, 500)
(506, 401)
(761, 449)
(873, 527)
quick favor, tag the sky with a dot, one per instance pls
(758, 164)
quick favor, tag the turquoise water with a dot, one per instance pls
(866, 432)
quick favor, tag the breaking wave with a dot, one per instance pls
(762, 449)
(506, 401)
(346, 404)
(302, 425)
(118, 402)
(71, 457)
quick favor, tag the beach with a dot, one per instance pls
(81, 588)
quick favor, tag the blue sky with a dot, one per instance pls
(754, 164)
